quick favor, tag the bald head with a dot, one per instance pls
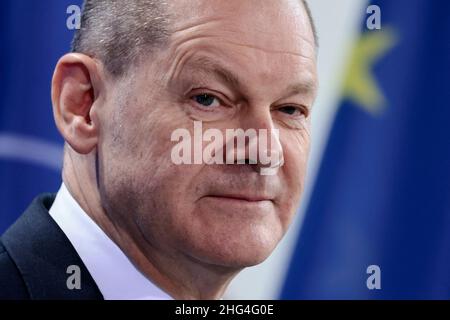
(118, 32)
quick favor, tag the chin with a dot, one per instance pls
(235, 254)
(246, 259)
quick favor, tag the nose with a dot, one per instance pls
(257, 142)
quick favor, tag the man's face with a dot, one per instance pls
(230, 64)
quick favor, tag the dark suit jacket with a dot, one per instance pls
(35, 255)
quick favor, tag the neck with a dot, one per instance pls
(181, 276)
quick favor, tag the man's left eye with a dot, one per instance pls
(291, 110)
(207, 100)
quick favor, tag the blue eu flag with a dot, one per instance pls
(33, 35)
(378, 223)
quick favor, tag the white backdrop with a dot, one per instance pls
(338, 24)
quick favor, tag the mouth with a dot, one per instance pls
(244, 198)
(241, 204)
(239, 198)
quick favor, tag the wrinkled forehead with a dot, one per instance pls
(279, 25)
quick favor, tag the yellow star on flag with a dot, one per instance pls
(360, 85)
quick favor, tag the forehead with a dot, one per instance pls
(264, 39)
(281, 25)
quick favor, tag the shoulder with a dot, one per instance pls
(11, 282)
(35, 255)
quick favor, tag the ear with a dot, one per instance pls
(75, 87)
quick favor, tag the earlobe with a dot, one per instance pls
(74, 92)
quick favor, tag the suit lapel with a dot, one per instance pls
(43, 254)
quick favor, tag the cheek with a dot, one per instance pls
(296, 152)
(161, 196)
(136, 155)
(296, 147)
(141, 138)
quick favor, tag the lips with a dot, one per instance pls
(242, 203)
(241, 188)
(241, 197)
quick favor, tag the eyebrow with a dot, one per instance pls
(304, 87)
(210, 66)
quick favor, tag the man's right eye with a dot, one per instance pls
(206, 100)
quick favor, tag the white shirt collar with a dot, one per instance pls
(115, 275)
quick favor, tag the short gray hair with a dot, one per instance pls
(117, 31)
